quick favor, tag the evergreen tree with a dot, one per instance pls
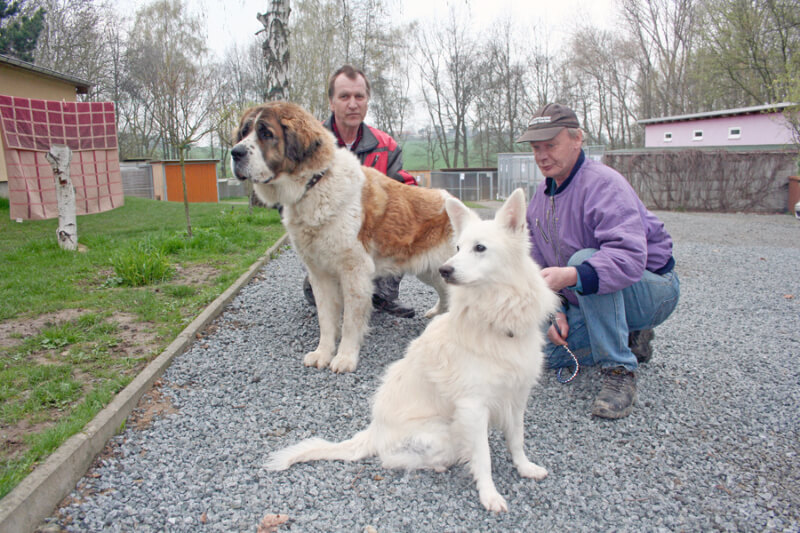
(19, 31)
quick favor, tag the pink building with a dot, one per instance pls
(745, 126)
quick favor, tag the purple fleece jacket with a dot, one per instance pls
(597, 208)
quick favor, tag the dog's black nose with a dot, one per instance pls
(446, 271)
(238, 152)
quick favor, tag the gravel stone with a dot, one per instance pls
(712, 444)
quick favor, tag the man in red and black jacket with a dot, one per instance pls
(348, 96)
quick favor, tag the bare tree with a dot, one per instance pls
(78, 39)
(432, 78)
(390, 80)
(749, 52)
(541, 67)
(665, 32)
(499, 110)
(448, 65)
(328, 33)
(608, 63)
(317, 51)
(241, 87)
(169, 50)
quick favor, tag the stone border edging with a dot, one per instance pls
(33, 500)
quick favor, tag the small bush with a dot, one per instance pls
(142, 264)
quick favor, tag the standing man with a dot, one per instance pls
(608, 257)
(348, 97)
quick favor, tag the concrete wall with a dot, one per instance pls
(708, 180)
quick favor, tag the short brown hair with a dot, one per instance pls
(350, 72)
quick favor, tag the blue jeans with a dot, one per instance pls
(600, 323)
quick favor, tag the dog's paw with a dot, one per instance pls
(532, 470)
(433, 311)
(344, 363)
(317, 359)
(492, 500)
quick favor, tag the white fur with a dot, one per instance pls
(472, 368)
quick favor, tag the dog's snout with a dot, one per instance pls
(238, 152)
(446, 271)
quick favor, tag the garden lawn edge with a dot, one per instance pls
(33, 500)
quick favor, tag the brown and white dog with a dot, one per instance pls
(348, 223)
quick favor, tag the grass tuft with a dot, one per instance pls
(142, 263)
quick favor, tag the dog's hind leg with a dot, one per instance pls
(472, 425)
(514, 431)
(317, 449)
(356, 283)
(329, 309)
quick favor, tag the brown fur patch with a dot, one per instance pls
(401, 221)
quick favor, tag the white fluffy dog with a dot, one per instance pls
(473, 367)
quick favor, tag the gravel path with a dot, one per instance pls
(713, 444)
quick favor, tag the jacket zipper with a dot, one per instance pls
(554, 232)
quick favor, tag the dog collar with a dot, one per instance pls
(313, 181)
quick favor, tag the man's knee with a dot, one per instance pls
(580, 256)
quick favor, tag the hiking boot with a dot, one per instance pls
(617, 394)
(308, 292)
(393, 307)
(639, 343)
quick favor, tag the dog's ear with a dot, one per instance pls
(298, 147)
(459, 214)
(300, 136)
(512, 214)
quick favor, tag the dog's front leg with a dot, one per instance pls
(357, 307)
(514, 430)
(329, 309)
(434, 279)
(472, 420)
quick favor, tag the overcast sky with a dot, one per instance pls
(232, 21)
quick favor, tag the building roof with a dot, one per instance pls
(82, 86)
(718, 114)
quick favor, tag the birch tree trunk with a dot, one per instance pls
(276, 49)
(60, 157)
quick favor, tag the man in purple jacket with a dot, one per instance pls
(608, 257)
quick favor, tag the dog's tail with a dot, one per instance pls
(360, 446)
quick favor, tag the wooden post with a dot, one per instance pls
(60, 157)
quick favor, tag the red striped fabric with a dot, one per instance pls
(31, 126)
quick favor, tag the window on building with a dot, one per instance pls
(697, 135)
(734, 133)
(668, 137)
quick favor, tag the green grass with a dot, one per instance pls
(109, 309)
(416, 157)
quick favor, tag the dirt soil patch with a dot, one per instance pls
(153, 404)
(13, 332)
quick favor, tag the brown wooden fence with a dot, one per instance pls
(709, 180)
